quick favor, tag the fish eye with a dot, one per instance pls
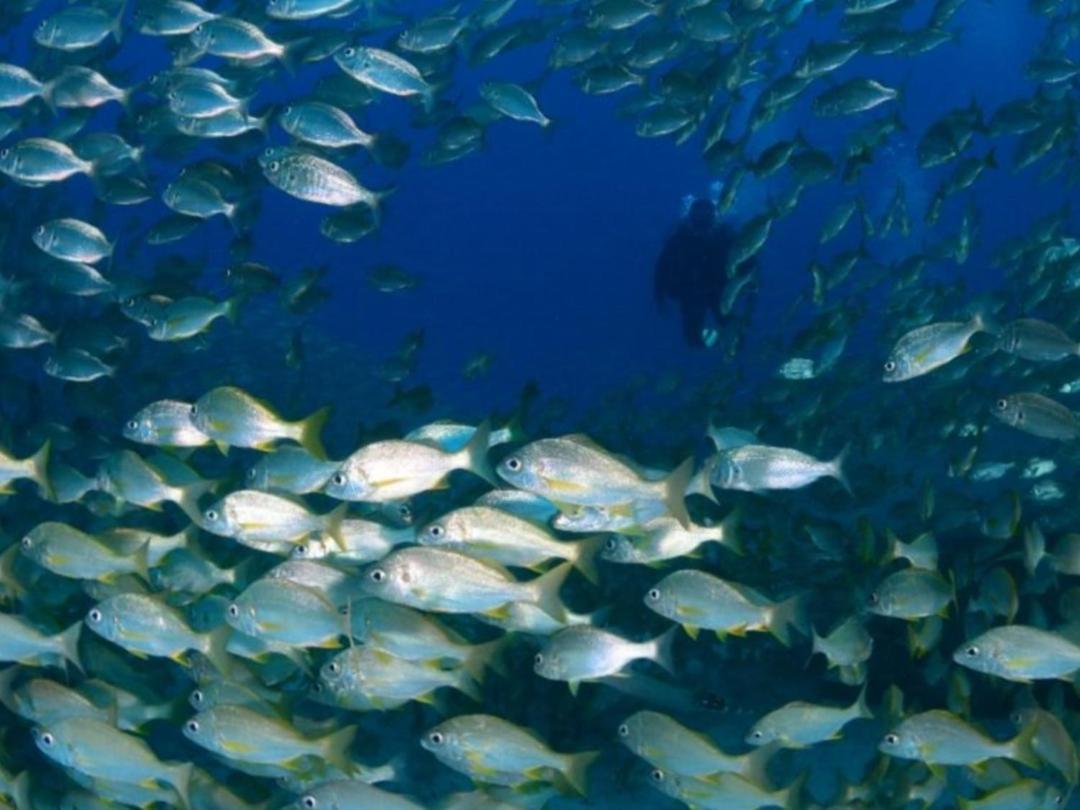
(40, 230)
(436, 738)
(349, 52)
(234, 610)
(513, 464)
(657, 775)
(338, 479)
(757, 735)
(26, 542)
(333, 667)
(610, 544)
(197, 697)
(192, 726)
(310, 802)
(653, 595)
(129, 303)
(47, 739)
(890, 365)
(972, 651)
(874, 598)
(1002, 404)
(132, 424)
(624, 730)
(211, 515)
(435, 530)
(251, 474)
(378, 575)
(404, 512)
(538, 659)
(275, 165)
(194, 410)
(892, 739)
(94, 615)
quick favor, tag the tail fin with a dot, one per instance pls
(577, 770)
(1022, 746)
(39, 469)
(189, 498)
(336, 749)
(141, 561)
(587, 550)
(311, 432)
(699, 482)
(675, 486)
(7, 678)
(217, 644)
(729, 531)
(784, 616)
(545, 589)
(20, 792)
(474, 454)
(334, 519)
(859, 706)
(464, 682)
(232, 307)
(69, 644)
(180, 779)
(481, 656)
(663, 648)
(836, 468)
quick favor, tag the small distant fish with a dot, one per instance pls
(165, 423)
(1020, 653)
(582, 653)
(799, 724)
(233, 417)
(758, 467)
(939, 738)
(1036, 340)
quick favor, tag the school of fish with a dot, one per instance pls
(852, 584)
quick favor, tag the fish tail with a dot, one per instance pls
(675, 486)
(141, 560)
(482, 656)
(1022, 746)
(7, 678)
(860, 707)
(20, 791)
(699, 483)
(69, 644)
(577, 770)
(729, 532)
(464, 682)
(587, 552)
(664, 648)
(336, 749)
(311, 428)
(836, 468)
(217, 651)
(786, 615)
(334, 520)
(117, 29)
(474, 456)
(231, 310)
(39, 466)
(545, 590)
(790, 798)
(755, 765)
(189, 498)
(180, 779)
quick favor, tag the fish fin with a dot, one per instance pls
(860, 707)
(699, 485)
(785, 615)
(7, 677)
(729, 530)
(577, 770)
(223, 447)
(664, 645)
(790, 798)
(217, 649)
(836, 468)
(334, 520)
(311, 429)
(180, 779)
(189, 498)
(141, 560)
(39, 463)
(573, 686)
(475, 454)
(588, 551)
(691, 631)
(675, 491)
(1022, 746)
(546, 589)
(756, 762)
(467, 685)
(481, 656)
(20, 791)
(69, 644)
(336, 749)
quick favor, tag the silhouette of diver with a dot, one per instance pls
(692, 270)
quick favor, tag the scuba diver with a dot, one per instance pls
(692, 270)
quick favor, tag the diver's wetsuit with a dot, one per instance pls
(692, 269)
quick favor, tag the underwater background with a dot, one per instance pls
(896, 180)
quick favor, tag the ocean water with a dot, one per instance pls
(530, 264)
